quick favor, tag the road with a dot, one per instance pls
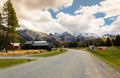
(72, 64)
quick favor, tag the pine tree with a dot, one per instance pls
(117, 40)
(0, 20)
(108, 42)
(10, 22)
(0, 29)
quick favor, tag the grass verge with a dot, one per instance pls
(52, 53)
(11, 62)
(109, 56)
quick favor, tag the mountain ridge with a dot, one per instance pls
(29, 35)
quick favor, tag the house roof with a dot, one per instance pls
(15, 44)
(40, 43)
(29, 42)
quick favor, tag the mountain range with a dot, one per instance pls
(29, 35)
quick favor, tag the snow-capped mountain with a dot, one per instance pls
(87, 36)
(108, 35)
(64, 37)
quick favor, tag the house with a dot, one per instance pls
(27, 45)
(91, 47)
(41, 45)
(37, 45)
(14, 46)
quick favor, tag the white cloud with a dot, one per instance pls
(115, 27)
(75, 24)
(1, 3)
(34, 15)
(46, 4)
(110, 8)
(43, 22)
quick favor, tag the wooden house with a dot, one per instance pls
(41, 45)
(37, 45)
(14, 46)
(27, 45)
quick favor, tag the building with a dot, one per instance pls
(37, 45)
(91, 47)
(28, 45)
(101, 47)
(14, 46)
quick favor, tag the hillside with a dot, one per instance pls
(31, 35)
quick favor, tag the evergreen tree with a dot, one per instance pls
(108, 42)
(117, 40)
(91, 43)
(0, 20)
(101, 43)
(11, 22)
(0, 30)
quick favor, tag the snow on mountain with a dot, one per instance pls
(87, 36)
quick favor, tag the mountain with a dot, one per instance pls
(64, 37)
(29, 35)
(87, 36)
(108, 35)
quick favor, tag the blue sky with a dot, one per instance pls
(75, 5)
(74, 16)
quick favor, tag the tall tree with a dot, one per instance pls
(108, 42)
(117, 40)
(0, 30)
(0, 20)
(10, 22)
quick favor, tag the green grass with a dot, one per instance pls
(11, 62)
(52, 53)
(111, 56)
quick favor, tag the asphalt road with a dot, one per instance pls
(73, 64)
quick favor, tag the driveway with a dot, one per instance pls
(72, 64)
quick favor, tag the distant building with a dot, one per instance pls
(28, 45)
(101, 48)
(14, 46)
(37, 45)
(91, 47)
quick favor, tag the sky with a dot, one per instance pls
(74, 16)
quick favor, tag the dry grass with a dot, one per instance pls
(22, 52)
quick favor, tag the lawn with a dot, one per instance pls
(11, 62)
(52, 53)
(111, 56)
